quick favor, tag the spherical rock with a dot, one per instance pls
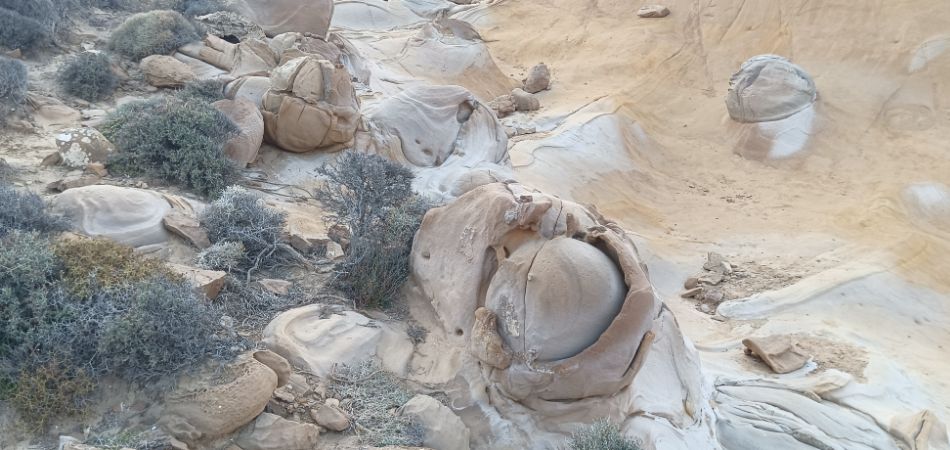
(539, 79)
(767, 88)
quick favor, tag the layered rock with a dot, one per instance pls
(126, 215)
(282, 16)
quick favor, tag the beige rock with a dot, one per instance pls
(276, 287)
(334, 251)
(653, 11)
(129, 216)
(73, 182)
(249, 57)
(503, 105)
(443, 429)
(50, 113)
(209, 282)
(330, 417)
(277, 363)
(205, 408)
(311, 105)
(539, 79)
(187, 227)
(281, 16)
(166, 71)
(97, 169)
(525, 101)
(249, 120)
(81, 146)
(779, 352)
(485, 343)
(272, 432)
(768, 88)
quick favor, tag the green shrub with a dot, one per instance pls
(88, 76)
(241, 216)
(204, 90)
(373, 198)
(26, 211)
(181, 141)
(372, 395)
(19, 32)
(90, 264)
(602, 435)
(13, 81)
(152, 33)
(51, 391)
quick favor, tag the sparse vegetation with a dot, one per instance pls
(204, 90)
(26, 211)
(13, 82)
(374, 397)
(152, 33)
(602, 435)
(223, 255)
(196, 8)
(241, 216)
(90, 264)
(88, 76)
(180, 141)
(373, 198)
(251, 307)
(19, 32)
(50, 391)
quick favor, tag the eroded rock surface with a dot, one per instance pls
(272, 432)
(769, 87)
(80, 147)
(126, 215)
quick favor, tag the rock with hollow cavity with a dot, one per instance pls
(243, 148)
(166, 71)
(653, 11)
(272, 432)
(205, 408)
(443, 429)
(539, 79)
(282, 16)
(80, 147)
(129, 216)
(780, 353)
(767, 88)
(311, 105)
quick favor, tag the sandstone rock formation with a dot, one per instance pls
(209, 282)
(767, 88)
(442, 428)
(81, 146)
(311, 105)
(243, 148)
(204, 408)
(272, 432)
(249, 57)
(281, 16)
(126, 215)
(780, 353)
(186, 227)
(166, 71)
(330, 417)
(539, 79)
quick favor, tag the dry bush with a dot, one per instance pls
(26, 211)
(13, 81)
(88, 76)
(602, 435)
(51, 391)
(152, 33)
(91, 264)
(240, 216)
(208, 91)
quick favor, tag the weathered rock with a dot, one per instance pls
(768, 88)
(443, 429)
(692, 293)
(710, 278)
(126, 215)
(779, 352)
(503, 105)
(81, 146)
(73, 182)
(539, 79)
(653, 11)
(282, 16)
(276, 287)
(210, 282)
(227, 23)
(330, 417)
(166, 71)
(51, 113)
(691, 283)
(243, 148)
(277, 363)
(713, 296)
(272, 432)
(186, 227)
(206, 408)
(334, 251)
(249, 57)
(311, 105)
(97, 169)
(525, 101)
(486, 344)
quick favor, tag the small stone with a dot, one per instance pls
(209, 282)
(276, 287)
(713, 261)
(691, 283)
(653, 11)
(539, 79)
(779, 352)
(187, 228)
(714, 296)
(525, 101)
(692, 293)
(330, 417)
(706, 308)
(166, 71)
(284, 395)
(503, 105)
(53, 159)
(711, 278)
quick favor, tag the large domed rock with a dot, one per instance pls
(311, 105)
(126, 215)
(769, 87)
(281, 16)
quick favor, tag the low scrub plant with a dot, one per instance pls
(92, 264)
(152, 33)
(180, 141)
(51, 391)
(88, 76)
(602, 435)
(13, 82)
(373, 198)
(208, 91)
(240, 216)
(19, 32)
(25, 211)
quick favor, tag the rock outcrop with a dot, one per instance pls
(80, 147)
(282, 16)
(243, 148)
(166, 71)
